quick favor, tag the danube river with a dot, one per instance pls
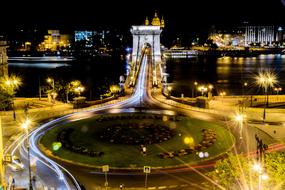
(96, 76)
(226, 73)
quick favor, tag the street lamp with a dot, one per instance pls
(223, 94)
(257, 167)
(202, 89)
(210, 91)
(169, 89)
(266, 79)
(240, 119)
(52, 93)
(51, 81)
(194, 89)
(79, 89)
(277, 91)
(12, 84)
(25, 126)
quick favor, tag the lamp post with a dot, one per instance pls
(277, 91)
(266, 80)
(223, 94)
(194, 89)
(52, 93)
(169, 89)
(25, 126)
(210, 91)
(12, 84)
(240, 119)
(51, 81)
(261, 174)
(202, 89)
(79, 89)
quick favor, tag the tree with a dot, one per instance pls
(236, 172)
(275, 167)
(8, 87)
(5, 100)
(230, 172)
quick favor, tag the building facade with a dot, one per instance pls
(262, 35)
(54, 41)
(3, 59)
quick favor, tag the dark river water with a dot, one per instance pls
(96, 76)
(226, 74)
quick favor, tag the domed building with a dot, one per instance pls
(156, 21)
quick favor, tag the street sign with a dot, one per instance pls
(146, 169)
(105, 168)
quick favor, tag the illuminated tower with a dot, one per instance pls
(162, 25)
(3, 59)
(146, 21)
(155, 21)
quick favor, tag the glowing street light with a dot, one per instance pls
(210, 87)
(52, 92)
(25, 126)
(223, 94)
(79, 89)
(51, 81)
(257, 167)
(202, 89)
(277, 90)
(194, 88)
(12, 83)
(169, 89)
(240, 118)
(266, 79)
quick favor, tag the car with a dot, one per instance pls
(16, 164)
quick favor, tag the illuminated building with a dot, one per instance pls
(247, 36)
(279, 34)
(263, 35)
(233, 37)
(54, 41)
(224, 40)
(83, 35)
(156, 21)
(146, 21)
(3, 59)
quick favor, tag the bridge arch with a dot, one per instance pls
(146, 35)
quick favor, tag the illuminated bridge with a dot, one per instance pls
(146, 40)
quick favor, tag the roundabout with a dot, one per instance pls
(118, 140)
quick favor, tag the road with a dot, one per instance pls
(55, 175)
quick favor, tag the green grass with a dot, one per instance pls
(124, 155)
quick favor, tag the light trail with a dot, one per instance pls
(37, 133)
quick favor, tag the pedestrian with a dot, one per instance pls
(121, 186)
(13, 184)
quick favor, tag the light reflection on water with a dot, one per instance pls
(225, 73)
(39, 65)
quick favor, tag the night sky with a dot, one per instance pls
(180, 15)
